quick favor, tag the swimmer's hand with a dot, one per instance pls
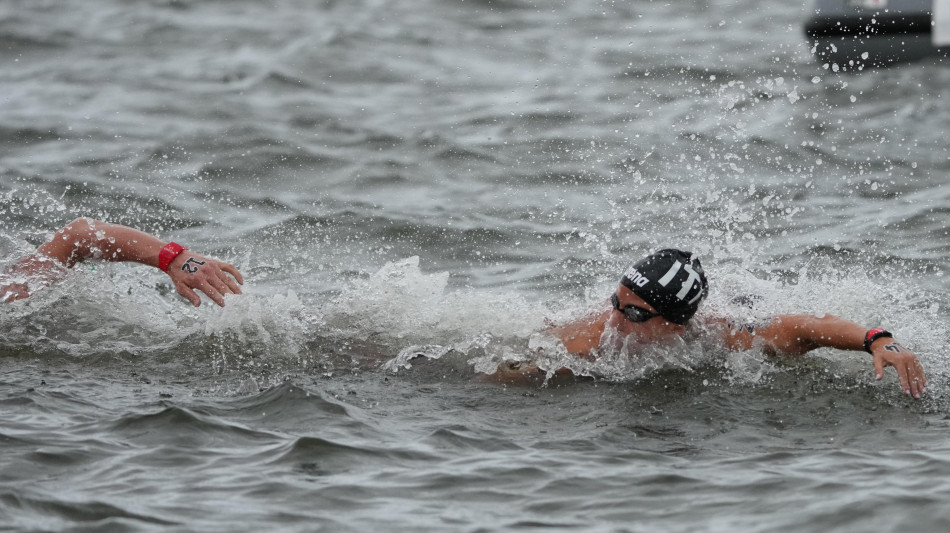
(888, 352)
(190, 272)
(36, 270)
(13, 292)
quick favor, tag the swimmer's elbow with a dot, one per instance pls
(83, 229)
(74, 243)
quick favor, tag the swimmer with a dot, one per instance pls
(658, 296)
(85, 238)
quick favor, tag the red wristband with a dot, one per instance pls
(168, 254)
(873, 335)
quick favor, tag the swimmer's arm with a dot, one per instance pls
(527, 375)
(582, 336)
(85, 238)
(798, 334)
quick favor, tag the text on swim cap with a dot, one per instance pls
(636, 278)
(690, 281)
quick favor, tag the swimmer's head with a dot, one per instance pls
(671, 281)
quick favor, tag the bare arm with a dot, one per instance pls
(86, 239)
(582, 336)
(798, 334)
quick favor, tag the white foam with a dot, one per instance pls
(401, 302)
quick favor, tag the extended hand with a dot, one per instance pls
(13, 292)
(888, 352)
(190, 271)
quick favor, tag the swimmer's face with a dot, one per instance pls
(655, 328)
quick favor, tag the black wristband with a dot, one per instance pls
(873, 335)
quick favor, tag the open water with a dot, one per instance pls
(412, 190)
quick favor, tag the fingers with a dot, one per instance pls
(215, 289)
(904, 379)
(188, 294)
(206, 286)
(920, 372)
(909, 370)
(212, 293)
(879, 368)
(230, 269)
(916, 382)
(229, 281)
(221, 284)
(916, 379)
(912, 381)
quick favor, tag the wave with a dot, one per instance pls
(185, 428)
(31, 507)
(18, 43)
(25, 136)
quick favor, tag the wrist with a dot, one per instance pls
(168, 254)
(873, 335)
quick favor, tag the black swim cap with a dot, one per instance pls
(672, 281)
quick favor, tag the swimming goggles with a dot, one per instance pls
(632, 312)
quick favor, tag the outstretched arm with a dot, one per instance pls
(797, 334)
(85, 238)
